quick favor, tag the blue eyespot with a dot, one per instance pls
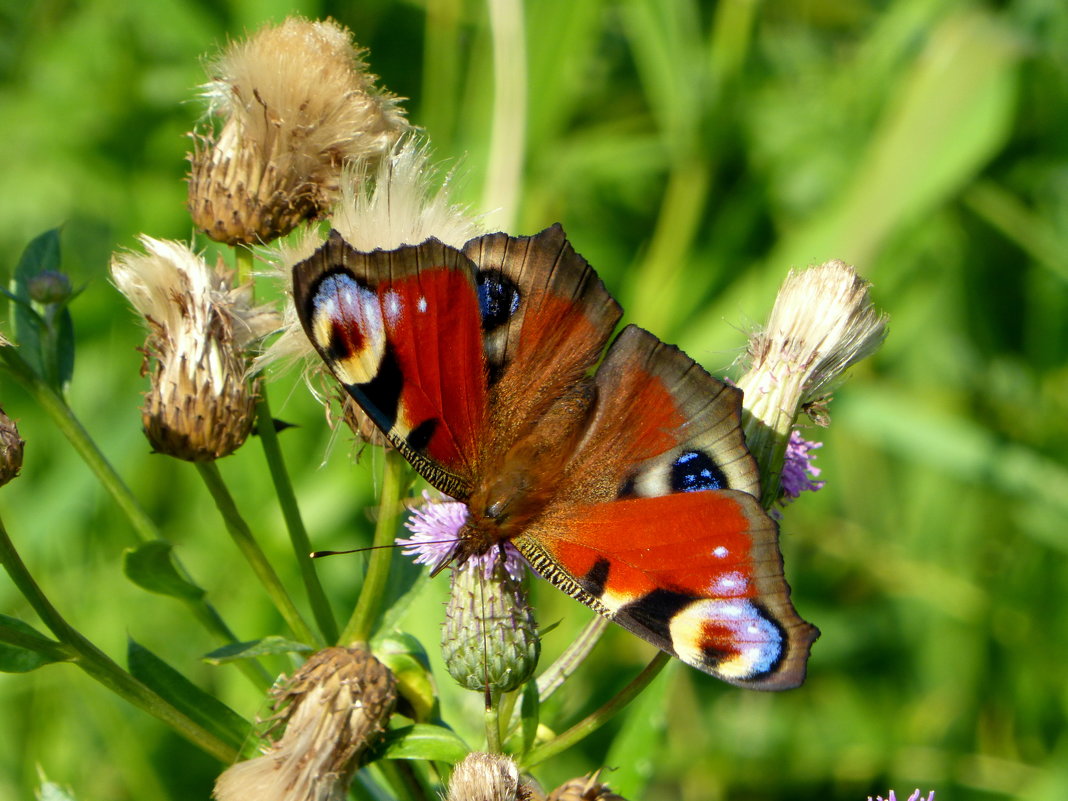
(498, 298)
(693, 471)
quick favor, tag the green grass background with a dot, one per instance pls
(694, 152)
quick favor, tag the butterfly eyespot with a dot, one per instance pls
(498, 298)
(346, 325)
(693, 471)
(735, 638)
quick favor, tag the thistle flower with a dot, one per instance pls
(799, 474)
(199, 406)
(490, 639)
(488, 777)
(435, 527)
(298, 104)
(11, 445)
(822, 323)
(333, 710)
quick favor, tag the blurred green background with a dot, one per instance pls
(694, 152)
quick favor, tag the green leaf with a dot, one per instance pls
(406, 658)
(255, 648)
(151, 568)
(635, 748)
(23, 648)
(64, 347)
(30, 328)
(185, 696)
(424, 741)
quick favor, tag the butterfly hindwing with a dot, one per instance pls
(400, 330)
(658, 527)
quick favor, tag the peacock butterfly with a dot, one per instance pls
(629, 487)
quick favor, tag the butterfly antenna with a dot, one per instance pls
(321, 554)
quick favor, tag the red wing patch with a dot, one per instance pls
(400, 330)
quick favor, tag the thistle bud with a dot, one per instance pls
(490, 640)
(296, 103)
(823, 322)
(199, 406)
(11, 445)
(488, 777)
(48, 287)
(333, 710)
(584, 788)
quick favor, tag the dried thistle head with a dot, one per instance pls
(823, 322)
(296, 104)
(333, 710)
(584, 788)
(489, 777)
(11, 446)
(199, 406)
(402, 201)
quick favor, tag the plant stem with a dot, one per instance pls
(254, 555)
(243, 262)
(144, 527)
(594, 721)
(98, 665)
(573, 656)
(62, 415)
(298, 535)
(492, 720)
(360, 625)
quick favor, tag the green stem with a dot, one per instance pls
(298, 535)
(364, 616)
(594, 721)
(145, 529)
(62, 415)
(492, 719)
(243, 260)
(98, 665)
(573, 656)
(254, 555)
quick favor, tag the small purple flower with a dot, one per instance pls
(798, 471)
(914, 797)
(435, 528)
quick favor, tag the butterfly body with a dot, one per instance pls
(628, 486)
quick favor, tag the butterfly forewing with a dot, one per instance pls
(546, 318)
(400, 330)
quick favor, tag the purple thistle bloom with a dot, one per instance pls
(798, 471)
(435, 528)
(914, 797)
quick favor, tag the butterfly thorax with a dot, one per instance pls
(518, 485)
